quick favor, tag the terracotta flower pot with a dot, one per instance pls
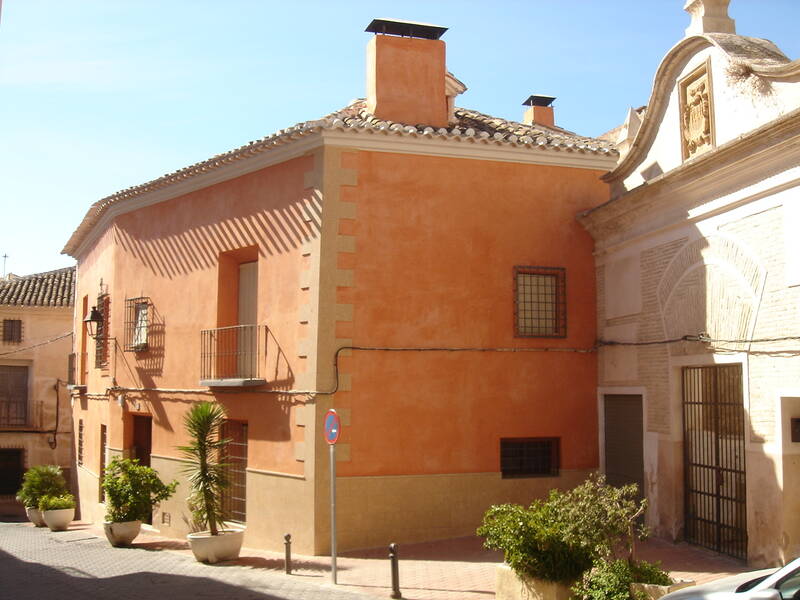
(121, 534)
(35, 516)
(58, 520)
(215, 548)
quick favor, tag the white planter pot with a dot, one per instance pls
(122, 534)
(35, 516)
(58, 520)
(509, 586)
(215, 548)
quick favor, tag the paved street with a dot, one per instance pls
(38, 563)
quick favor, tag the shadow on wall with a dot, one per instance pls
(275, 231)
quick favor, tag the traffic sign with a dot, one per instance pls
(333, 426)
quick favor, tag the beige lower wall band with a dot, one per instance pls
(89, 471)
(275, 473)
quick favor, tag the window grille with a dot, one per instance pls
(13, 396)
(101, 339)
(234, 498)
(71, 361)
(540, 302)
(80, 442)
(137, 323)
(529, 457)
(12, 331)
(103, 444)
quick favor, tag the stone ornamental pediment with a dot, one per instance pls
(696, 112)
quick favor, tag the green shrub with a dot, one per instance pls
(132, 490)
(601, 517)
(646, 572)
(612, 579)
(38, 481)
(57, 502)
(533, 542)
(559, 538)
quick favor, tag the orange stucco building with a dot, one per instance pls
(416, 266)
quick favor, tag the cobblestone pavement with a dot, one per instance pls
(36, 564)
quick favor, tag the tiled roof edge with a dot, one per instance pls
(355, 117)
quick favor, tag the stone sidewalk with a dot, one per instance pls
(459, 569)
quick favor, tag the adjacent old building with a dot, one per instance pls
(698, 274)
(35, 343)
(414, 265)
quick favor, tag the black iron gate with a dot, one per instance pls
(714, 459)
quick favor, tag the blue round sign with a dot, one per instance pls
(333, 427)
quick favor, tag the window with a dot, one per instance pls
(13, 396)
(80, 442)
(540, 302)
(529, 457)
(101, 338)
(137, 323)
(12, 331)
(103, 444)
(234, 498)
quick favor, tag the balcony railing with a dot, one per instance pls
(14, 413)
(232, 356)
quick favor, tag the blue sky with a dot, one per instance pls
(100, 95)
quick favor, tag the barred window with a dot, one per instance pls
(103, 448)
(529, 457)
(102, 336)
(14, 396)
(12, 331)
(80, 442)
(137, 323)
(540, 301)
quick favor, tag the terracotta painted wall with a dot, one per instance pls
(170, 253)
(436, 241)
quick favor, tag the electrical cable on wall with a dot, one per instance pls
(361, 349)
(50, 341)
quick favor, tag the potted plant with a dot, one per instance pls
(572, 538)
(208, 478)
(39, 481)
(57, 511)
(131, 492)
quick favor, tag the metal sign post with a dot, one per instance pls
(333, 427)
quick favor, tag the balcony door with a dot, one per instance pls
(247, 315)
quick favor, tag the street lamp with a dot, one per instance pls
(92, 321)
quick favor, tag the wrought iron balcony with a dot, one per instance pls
(232, 356)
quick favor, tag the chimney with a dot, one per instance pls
(539, 112)
(709, 16)
(406, 73)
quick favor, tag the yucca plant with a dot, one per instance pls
(206, 470)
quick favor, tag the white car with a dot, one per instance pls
(768, 584)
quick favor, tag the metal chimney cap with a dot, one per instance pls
(539, 100)
(412, 29)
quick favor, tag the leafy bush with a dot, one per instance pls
(132, 490)
(601, 517)
(559, 538)
(612, 579)
(533, 541)
(41, 480)
(57, 502)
